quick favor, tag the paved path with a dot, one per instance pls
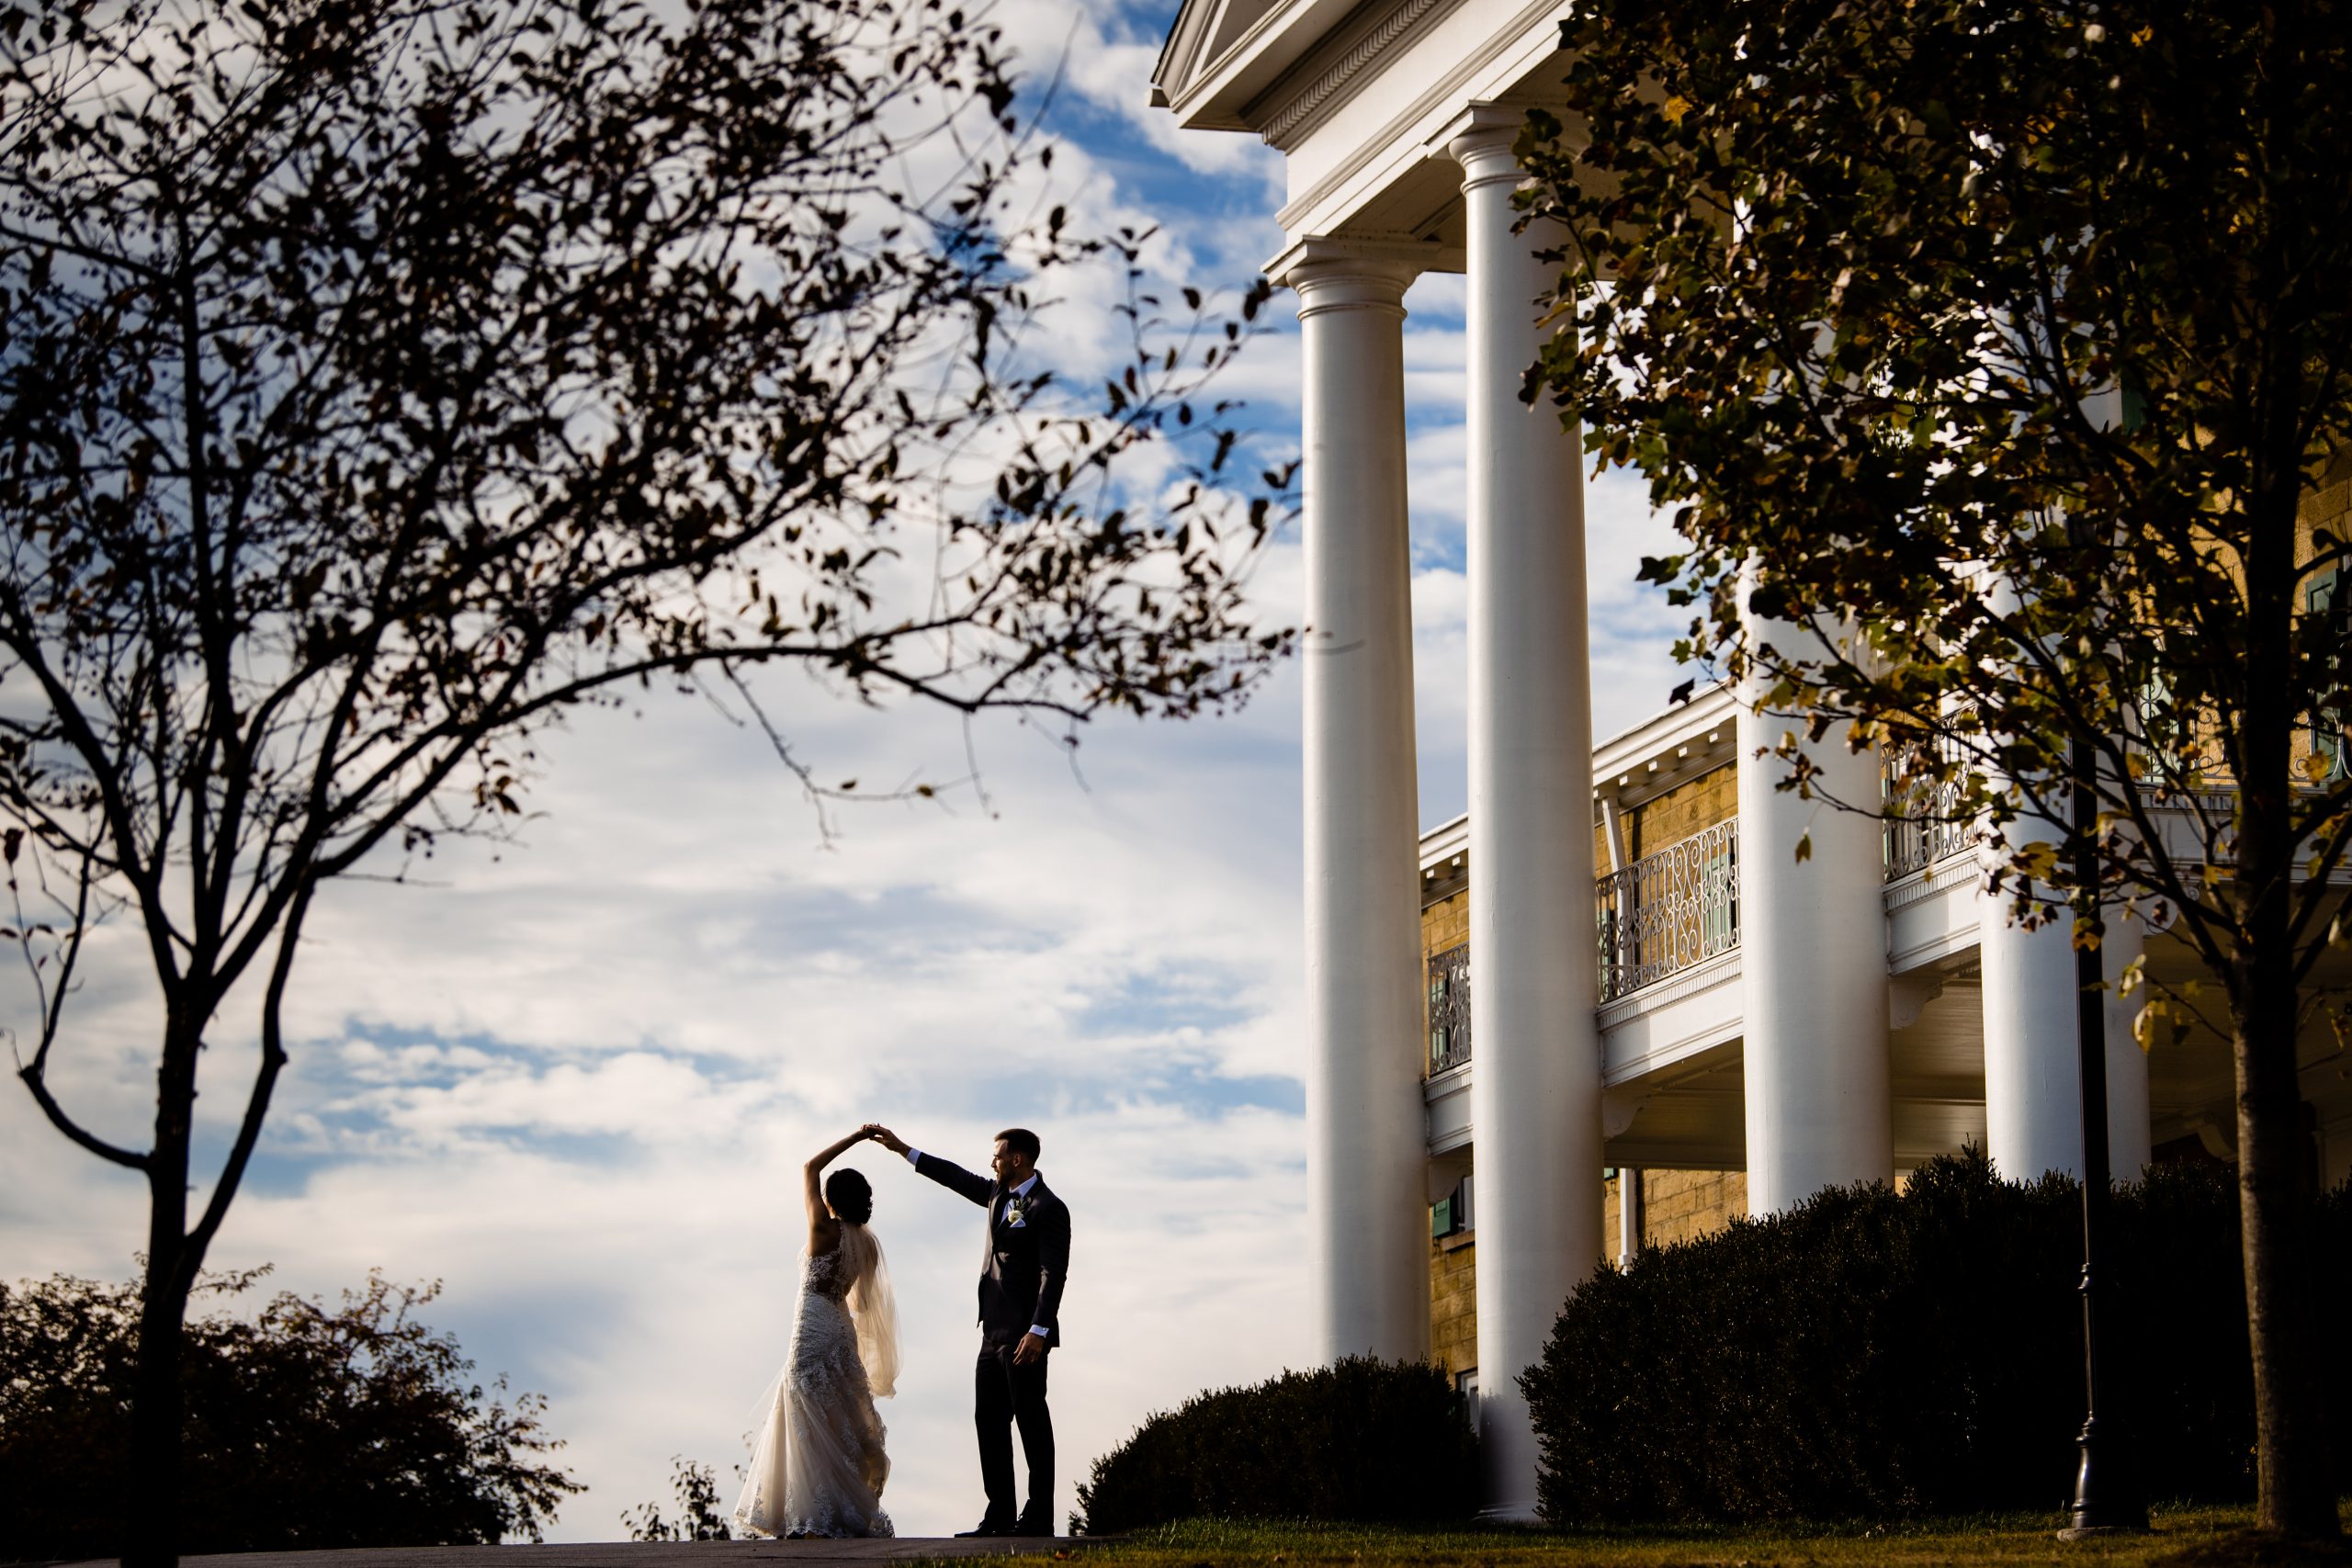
(643, 1554)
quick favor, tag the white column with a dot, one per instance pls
(2033, 1070)
(2129, 1145)
(2033, 1079)
(1629, 1215)
(1535, 1082)
(1367, 1144)
(1812, 965)
(2033, 1066)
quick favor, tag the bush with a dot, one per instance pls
(1872, 1353)
(306, 1427)
(701, 1514)
(1364, 1441)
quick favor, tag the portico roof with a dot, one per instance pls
(1222, 56)
(1362, 97)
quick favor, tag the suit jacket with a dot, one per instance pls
(1022, 1272)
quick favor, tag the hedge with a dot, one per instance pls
(1363, 1441)
(1875, 1353)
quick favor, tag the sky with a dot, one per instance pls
(573, 1077)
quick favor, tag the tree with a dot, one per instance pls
(380, 383)
(1994, 344)
(316, 1428)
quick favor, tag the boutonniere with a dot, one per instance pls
(1012, 1211)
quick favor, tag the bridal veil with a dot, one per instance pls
(872, 1308)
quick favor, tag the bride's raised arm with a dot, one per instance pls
(812, 1176)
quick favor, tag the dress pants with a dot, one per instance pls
(1004, 1396)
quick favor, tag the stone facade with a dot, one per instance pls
(2328, 505)
(1685, 809)
(1445, 924)
(1453, 1303)
(1679, 1205)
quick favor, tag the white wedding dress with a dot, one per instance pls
(817, 1462)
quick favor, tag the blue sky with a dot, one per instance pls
(574, 1081)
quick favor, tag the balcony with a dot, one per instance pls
(1669, 910)
(1920, 828)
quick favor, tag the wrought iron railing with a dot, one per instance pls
(1669, 910)
(1920, 825)
(1450, 1007)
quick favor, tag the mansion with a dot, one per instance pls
(1609, 1002)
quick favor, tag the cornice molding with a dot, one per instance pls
(1515, 33)
(1321, 89)
(1445, 838)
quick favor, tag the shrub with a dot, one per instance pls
(701, 1513)
(1363, 1441)
(1879, 1353)
(307, 1428)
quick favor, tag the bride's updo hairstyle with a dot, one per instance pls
(850, 1196)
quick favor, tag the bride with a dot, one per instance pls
(818, 1465)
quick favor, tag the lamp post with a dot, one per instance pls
(2105, 1500)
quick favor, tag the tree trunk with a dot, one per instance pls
(152, 1539)
(2290, 1437)
(157, 1393)
(2289, 1423)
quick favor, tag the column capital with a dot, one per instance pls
(1480, 138)
(1343, 274)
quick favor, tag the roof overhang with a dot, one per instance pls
(1222, 56)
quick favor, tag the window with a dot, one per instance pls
(1450, 1215)
(2325, 602)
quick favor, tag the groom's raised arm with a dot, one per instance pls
(947, 1172)
(953, 1177)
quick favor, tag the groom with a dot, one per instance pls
(1022, 1276)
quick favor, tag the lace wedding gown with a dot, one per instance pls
(816, 1463)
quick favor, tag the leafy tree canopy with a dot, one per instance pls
(1985, 351)
(313, 1427)
(2001, 339)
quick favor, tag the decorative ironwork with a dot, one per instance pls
(1448, 1011)
(1669, 910)
(1921, 825)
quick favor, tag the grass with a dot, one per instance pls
(2181, 1537)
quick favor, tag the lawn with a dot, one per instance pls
(2181, 1537)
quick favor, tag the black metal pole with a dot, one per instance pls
(2106, 1501)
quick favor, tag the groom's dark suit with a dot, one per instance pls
(1021, 1275)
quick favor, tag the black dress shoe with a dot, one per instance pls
(1032, 1524)
(986, 1527)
